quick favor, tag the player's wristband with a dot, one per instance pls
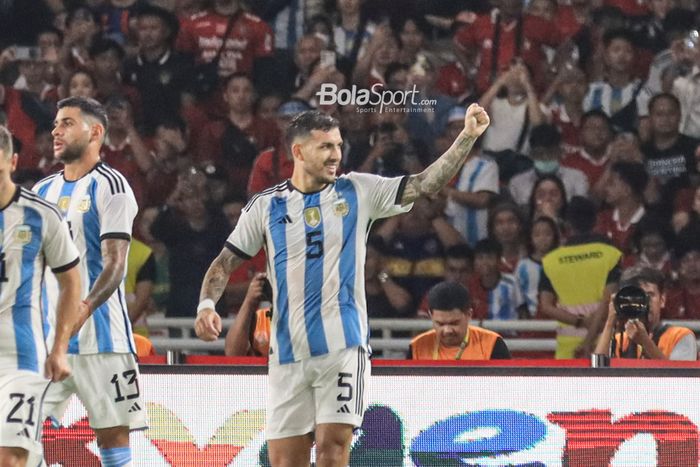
(206, 304)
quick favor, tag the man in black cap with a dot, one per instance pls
(162, 75)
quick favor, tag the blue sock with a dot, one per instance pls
(115, 457)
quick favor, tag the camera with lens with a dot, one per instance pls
(631, 302)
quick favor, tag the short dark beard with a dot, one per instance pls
(71, 153)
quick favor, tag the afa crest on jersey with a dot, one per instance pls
(312, 216)
(23, 234)
(84, 204)
(341, 208)
(63, 203)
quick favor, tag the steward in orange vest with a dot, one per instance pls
(452, 337)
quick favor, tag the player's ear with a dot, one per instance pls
(97, 132)
(296, 151)
(14, 159)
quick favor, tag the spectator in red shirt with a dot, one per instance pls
(123, 148)
(25, 111)
(630, 7)
(507, 227)
(503, 35)
(234, 142)
(652, 240)
(250, 39)
(275, 164)
(683, 298)
(171, 155)
(625, 194)
(592, 157)
(43, 142)
(564, 104)
(80, 83)
(107, 56)
(82, 27)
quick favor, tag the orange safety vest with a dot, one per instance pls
(480, 344)
(260, 341)
(144, 347)
(667, 342)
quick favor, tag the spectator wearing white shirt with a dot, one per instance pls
(546, 154)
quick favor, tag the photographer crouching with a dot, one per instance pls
(634, 329)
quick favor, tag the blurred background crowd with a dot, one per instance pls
(593, 99)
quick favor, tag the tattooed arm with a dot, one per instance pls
(208, 322)
(435, 177)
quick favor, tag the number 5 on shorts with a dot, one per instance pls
(344, 386)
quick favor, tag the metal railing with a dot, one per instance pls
(387, 343)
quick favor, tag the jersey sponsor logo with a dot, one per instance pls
(341, 208)
(312, 216)
(23, 234)
(63, 203)
(84, 205)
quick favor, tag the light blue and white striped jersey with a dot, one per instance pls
(33, 236)
(315, 245)
(478, 174)
(602, 96)
(98, 206)
(504, 299)
(527, 274)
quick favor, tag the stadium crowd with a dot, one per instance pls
(594, 138)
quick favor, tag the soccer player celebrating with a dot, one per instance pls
(313, 228)
(100, 208)
(32, 234)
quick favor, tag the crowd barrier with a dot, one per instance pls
(388, 343)
(520, 413)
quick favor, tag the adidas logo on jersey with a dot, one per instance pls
(24, 433)
(286, 219)
(135, 408)
(344, 409)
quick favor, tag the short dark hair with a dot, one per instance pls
(87, 106)
(687, 241)
(460, 251)
(664, 95)
(618, 33)
(449, 295)
(488, 246)
(544, 136)
(581, 214)
(633, 174)
(638, 275)
(596, 113)
(169, 19)
(172, 122)
(238, 75)
(102, 45)
(652, 224)
(303, 124)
